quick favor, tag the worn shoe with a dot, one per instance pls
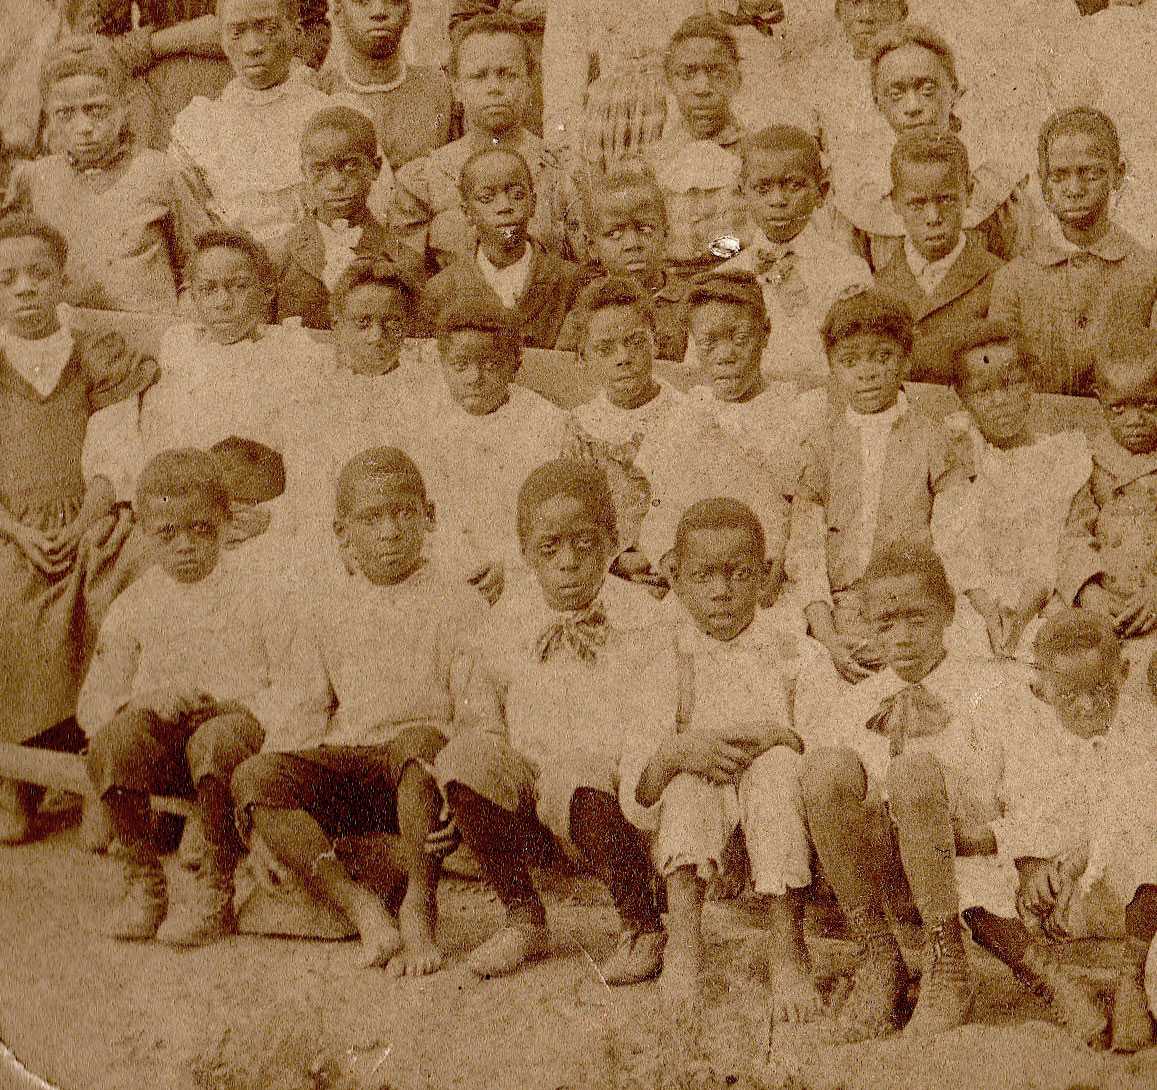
(143, 904)
(509, 948)
(872, 1007)
(637, 956)
(17, 808)
(1069, 1005)
(206, 915)
(96, 833)
(947, 986)
(1132, 1024)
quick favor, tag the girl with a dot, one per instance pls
(60, 528)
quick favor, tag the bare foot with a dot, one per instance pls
(508, 948)
(380, 939)
(1132, 1025)
(681, 981)
(417, 921)
(794, 999)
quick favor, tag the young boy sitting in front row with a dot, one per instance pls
(182, 688)
(1108, 558)
(517, 271)
(1078, 813)
(378, 667)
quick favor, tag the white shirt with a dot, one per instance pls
(40, 362)
(613, 424)
(338, 240)
(874, 430)
(508, 283)
(929, 273)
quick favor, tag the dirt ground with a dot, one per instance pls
(87, 1013)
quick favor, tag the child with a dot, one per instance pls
(800, 271)
(913, 769)
(869, 474)
(556, 693)
(411, 104)
(121, 207)
(180, 692)
(626, 220)
(68, 399)
(339, 163)
(1000, 535)
(516, 271)
(250, 181)
(1077, 827)
(943, 273)
(1108, 559)
(378, 667)
(1054, 295)
(490, 66)
(732, 760)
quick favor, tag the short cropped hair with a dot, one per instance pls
(867, 309)
(947, 149)
(582, 481)
(375, 463)
(489, 23)
(914, 34)
(720, 513)
(291, 9)
(490, 152)
(700, 26)
(479, 315)
(627, 175)
(1070, 630)
(348, 120)
(783, 138)
(83, 55)
(903, 8)
(737, 289)
(20, 225)
(378, 270)
(242, 242)
(1127, 361)
(978, 334)
(184, 471)
(1078, 119)
(610, 291)
(250, 471)
(904, 559)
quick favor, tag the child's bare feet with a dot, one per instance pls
(417, 921)
(1132, 1025)
(681, 981)
(507, 949)
(794, 998)
(379, 933)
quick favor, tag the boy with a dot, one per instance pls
(800, 271)
(180, 692)
(1108, 557)
(943, 273)
(517, 272)
(339, 163)
(1078, 814)
(555, 694)
(411, 104)
(1054, 296)
(379, 656)
(912, 770)
(868, 476)
(626, 220)
(490, 66)
(727, 756)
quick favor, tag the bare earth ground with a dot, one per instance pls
(90, 1014)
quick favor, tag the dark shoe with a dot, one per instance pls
(143, 903)
(947, 986)
(872, 1007)
(206, 915)
(637, 956)
(1069, 1005)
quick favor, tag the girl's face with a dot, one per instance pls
(493, 82)
(31, 287)
(86, 118)
(258, 39)
(620, 348)
(997, 393)
(730, 343)
(704, 78)
(477, 376)
(229, 296)
(869, 368)
(370, 329)
(863, 21)
(1079, 179)
(914, 91)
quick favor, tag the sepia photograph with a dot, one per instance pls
(578, 545)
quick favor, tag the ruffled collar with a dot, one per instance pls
(239, 93)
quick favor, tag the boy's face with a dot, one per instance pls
(186, 533)
(909, 624)
(730, 343)
(498, 196)
(863, 20)
(704, 78)
(931, 198)
(870, 370)
(914, 92)
(258, 39)
(86, 117)
(31, 287)
(718, 579)
(620, 348)
(476, 375)
(337, 174)
(369, 329)
(373, 28)
(228, 295)
(781, 191)
(997, 392)
(1082, 686)
(1079, 179)
(493, 82)
(1131, 412)
(568, 552)
(630, 236)
(383, 528)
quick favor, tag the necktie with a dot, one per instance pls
(913, 712)
(582, 633)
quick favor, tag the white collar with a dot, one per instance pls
(925, 270)
(510, 282)
(372, 88)
(238, 92)
(40, 363)
(880, 421)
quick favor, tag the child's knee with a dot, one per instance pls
(828, 774)
(222, 744)
(779, 767)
